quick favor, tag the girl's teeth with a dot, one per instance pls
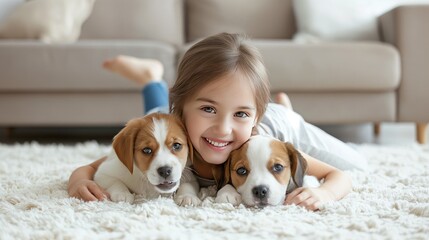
(216, 144)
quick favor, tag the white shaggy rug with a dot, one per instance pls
(391, 201)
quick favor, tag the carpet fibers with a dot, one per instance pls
(391, 201)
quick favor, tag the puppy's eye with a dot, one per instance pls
(241, 171)
(177, 147)
(277, 167)
(147, 151)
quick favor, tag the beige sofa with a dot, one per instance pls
(329, 82)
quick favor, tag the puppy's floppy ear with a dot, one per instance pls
(191, 150)
(188, 140)
(226, 173)
(298, 164)
(123, 144)
(222, 173)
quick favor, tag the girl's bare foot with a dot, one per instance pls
(283, 99)
(138, 70)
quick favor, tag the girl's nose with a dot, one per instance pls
(223, 127)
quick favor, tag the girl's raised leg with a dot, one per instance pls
(283, 99)
(140, 70)
(148, 74)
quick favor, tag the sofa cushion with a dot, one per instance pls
(259, 19)
(160, 20)
(345, 107)
(328, 67)
(69, 108)
(36, 67)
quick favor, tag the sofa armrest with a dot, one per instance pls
(406, 28)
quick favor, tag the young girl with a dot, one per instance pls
(222, 94)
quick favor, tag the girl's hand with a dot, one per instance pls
(310, 198)
(87, 190)
(82, 186)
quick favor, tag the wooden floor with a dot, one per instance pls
(390, 133)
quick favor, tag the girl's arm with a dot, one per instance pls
(82, 186)
(335, 186)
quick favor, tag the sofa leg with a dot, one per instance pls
(377, 127)
(421, 132)
(9, 132)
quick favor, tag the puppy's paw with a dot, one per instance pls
(233, 198)
(310, 181)
(187, 200)
(228, 194)
(122, 197)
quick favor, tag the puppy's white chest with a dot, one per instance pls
(113, 171)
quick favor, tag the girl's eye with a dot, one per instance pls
(208, 109)
(277, 168)
(241, 114)
(177, 147)
(241, 171)
(147, 151)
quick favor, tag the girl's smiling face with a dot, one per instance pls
(219, 118)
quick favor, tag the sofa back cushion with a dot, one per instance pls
(160, 20)
(257, 18)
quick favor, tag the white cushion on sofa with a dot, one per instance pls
(335, 20)
(6, 6)
(48, 20)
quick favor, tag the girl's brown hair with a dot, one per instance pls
(212, 58)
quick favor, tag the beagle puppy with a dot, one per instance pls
(149, 157)
(262, 172)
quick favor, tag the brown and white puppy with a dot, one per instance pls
(148, 157)
(262, 172)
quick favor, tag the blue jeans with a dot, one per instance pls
(155, 97)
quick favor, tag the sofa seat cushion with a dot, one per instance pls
(34, 66)
(69, 109)
(345, 107)
(327, 67)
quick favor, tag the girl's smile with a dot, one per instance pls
(216, 143)
(220, 117)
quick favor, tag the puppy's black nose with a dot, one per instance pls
(164, 171)
(260, 191)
